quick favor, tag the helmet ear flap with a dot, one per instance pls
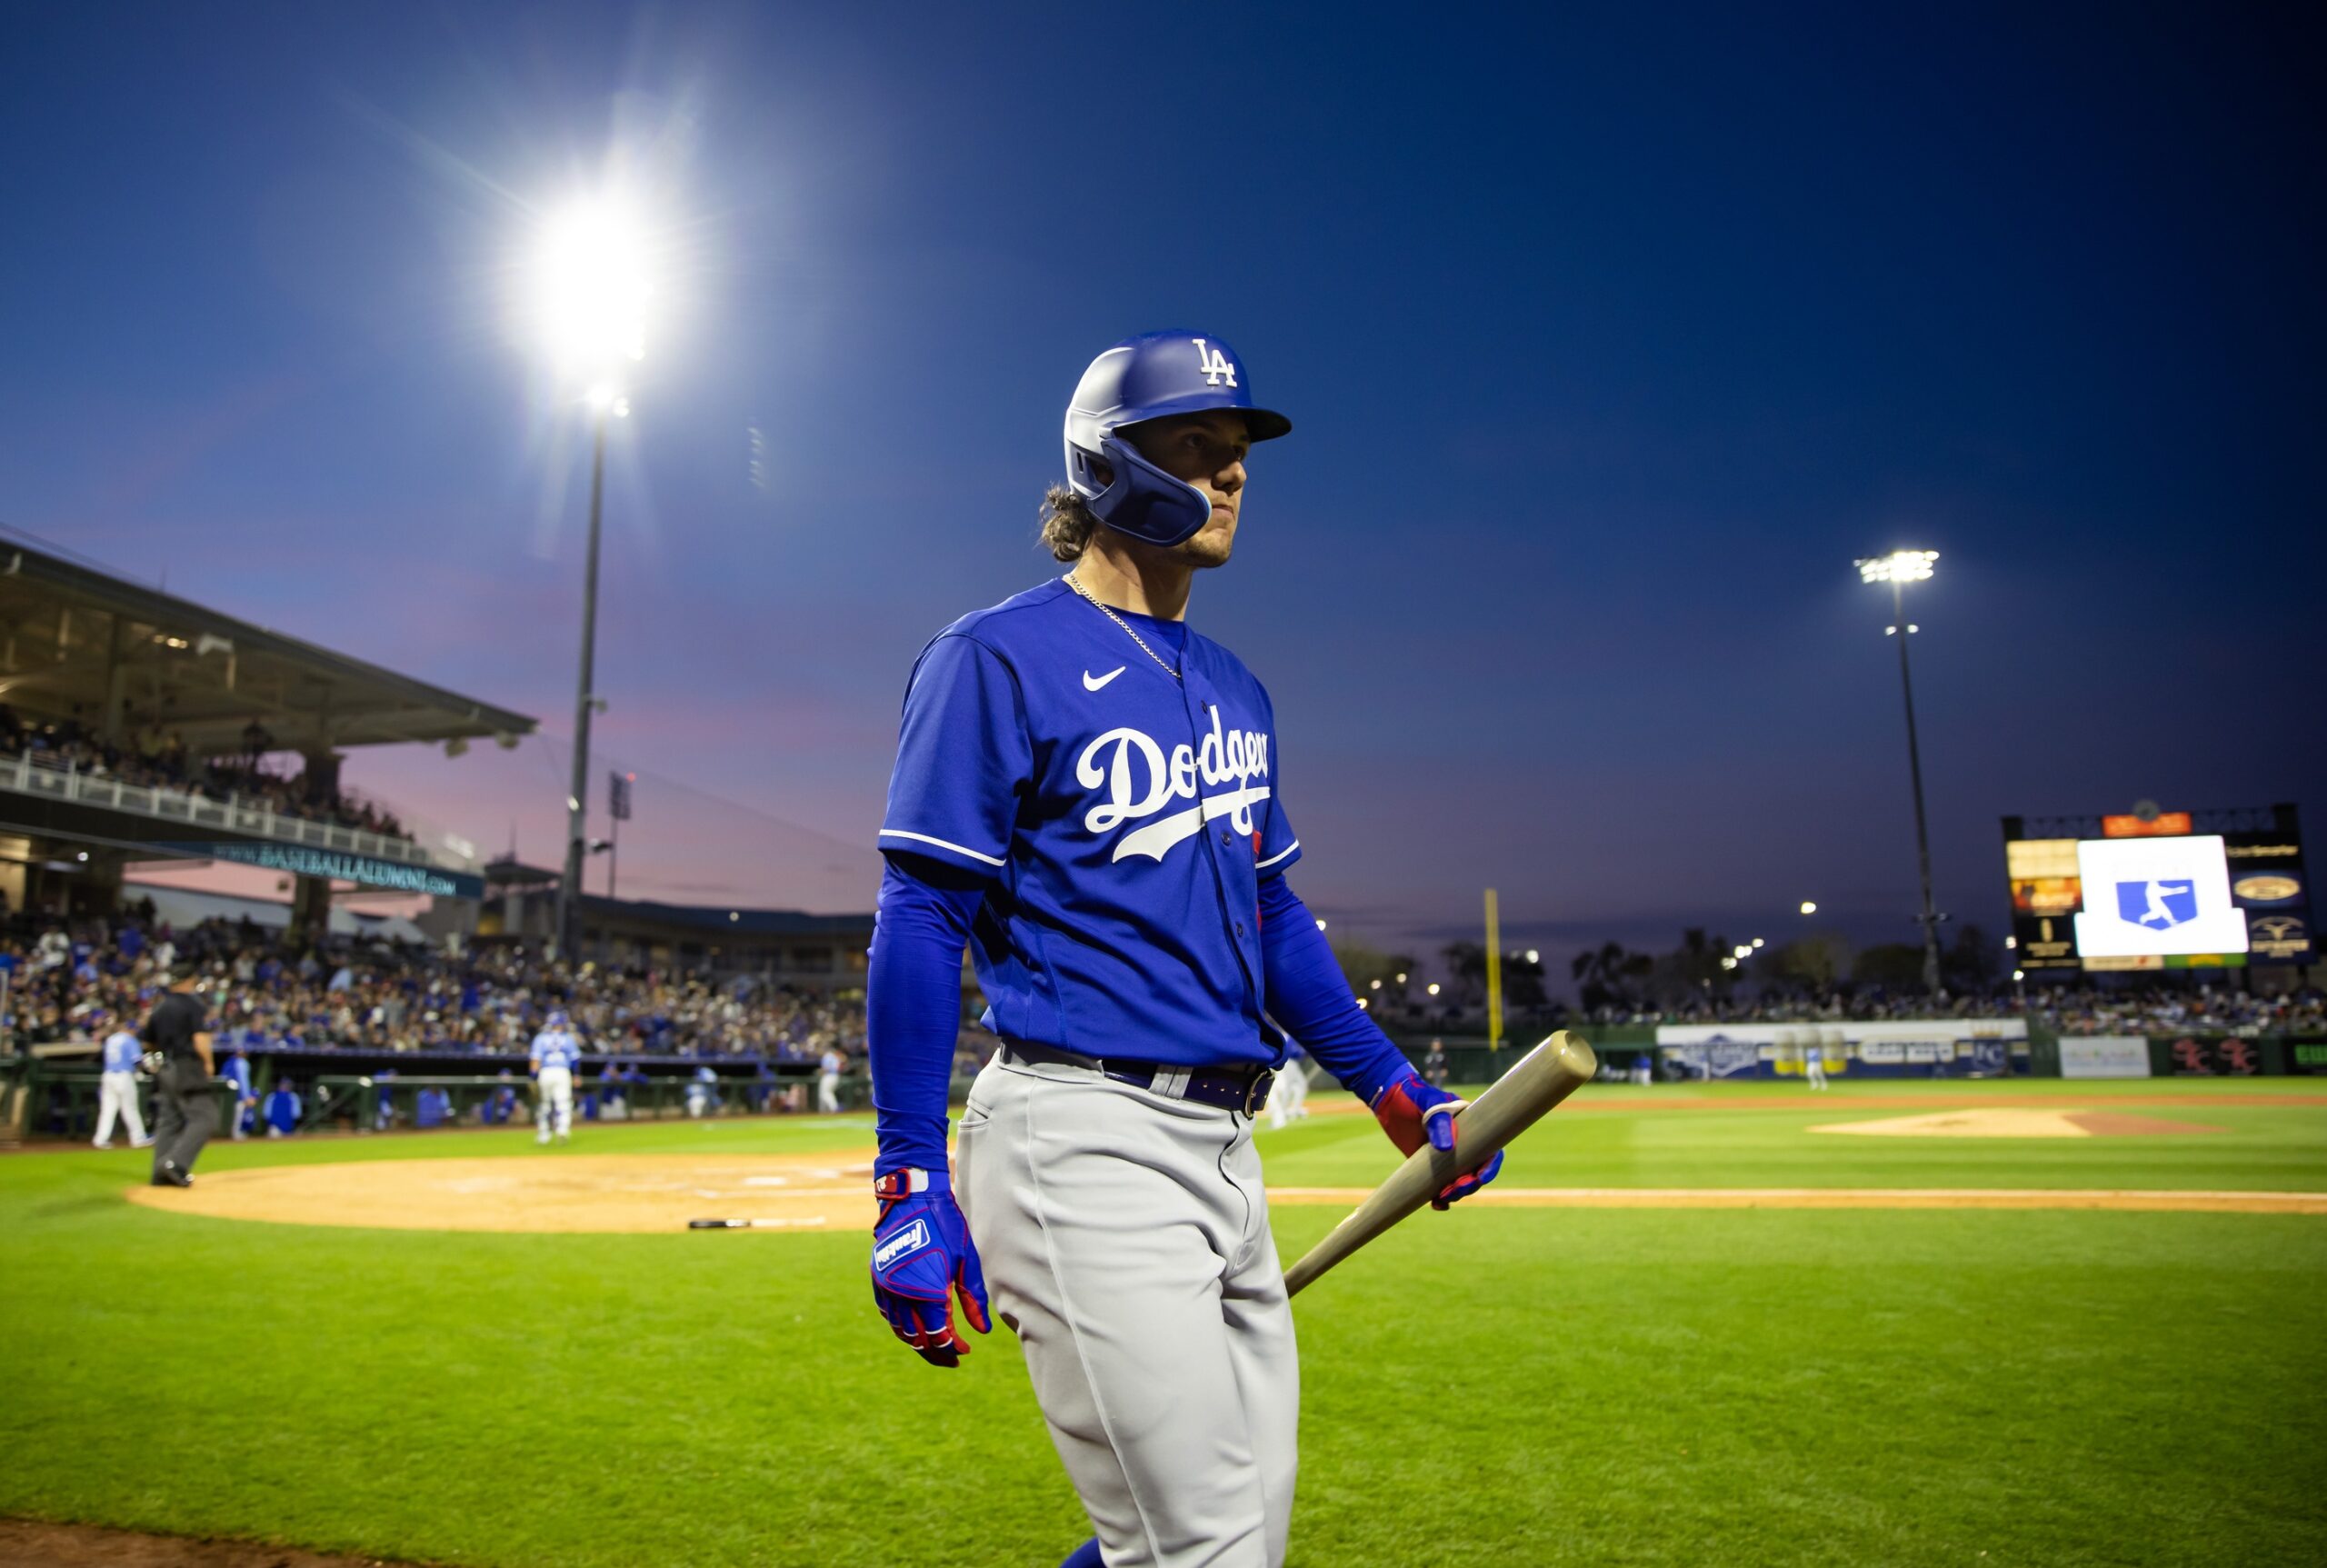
(1144, 500)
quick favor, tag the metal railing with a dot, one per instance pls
(29, 773)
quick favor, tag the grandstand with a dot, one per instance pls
(137, 725)
(780, 946)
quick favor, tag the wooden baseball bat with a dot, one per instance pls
(1506, 1108)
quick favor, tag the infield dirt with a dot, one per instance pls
(791, 1194)
(34, 1544)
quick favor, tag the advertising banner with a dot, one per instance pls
(2307, 1056)
(2194, 1056)
(2104, 1056)
(1903, 1048)
(361, 869)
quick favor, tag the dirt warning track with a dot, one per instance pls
(796, 1193)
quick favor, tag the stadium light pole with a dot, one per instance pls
(1898, 569)
(595, 289)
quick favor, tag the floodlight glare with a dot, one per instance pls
(594, 288)
(1899, 566)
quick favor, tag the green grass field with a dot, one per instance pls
(1499, 1387)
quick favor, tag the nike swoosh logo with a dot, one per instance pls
(1092, 682)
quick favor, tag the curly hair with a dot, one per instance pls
(1067, 523)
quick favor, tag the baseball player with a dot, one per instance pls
(556, 1053)
(117, 1087)
(237, 1072)
(828, 1071)
(1813, 1059)
(1289, 1094)
(1086, 795)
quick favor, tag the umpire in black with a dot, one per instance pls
(187, 1106)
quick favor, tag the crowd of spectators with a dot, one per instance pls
(158, 758)
(371, 995)
(2062, 1009)
(268, 993)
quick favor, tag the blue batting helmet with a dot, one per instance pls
(1153, 376)
(556, 1020)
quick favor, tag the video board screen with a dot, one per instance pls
(2149, 891)
(2156, 898)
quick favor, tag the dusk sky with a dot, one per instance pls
(1611, 336)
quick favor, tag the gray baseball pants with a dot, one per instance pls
(1125, 1241)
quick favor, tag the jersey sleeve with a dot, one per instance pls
(964, 759)
(1277, 848)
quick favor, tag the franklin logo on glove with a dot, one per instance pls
(912, 1239)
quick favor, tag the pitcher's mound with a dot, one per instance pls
(2015, 1122)
(550, 1192)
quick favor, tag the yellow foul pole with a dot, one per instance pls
(1494, 976)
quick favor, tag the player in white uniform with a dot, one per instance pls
(1813, 1059)
(1288, 1096)
(1085, 797)
(828, 1069)
(556, 1055)
(117, 1090)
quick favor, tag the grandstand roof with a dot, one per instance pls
(76, 638)
(721, 917)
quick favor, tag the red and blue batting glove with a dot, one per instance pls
(922, 1257)
(1413, 1114)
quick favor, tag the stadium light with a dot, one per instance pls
(1898, 569)
(1899, 566)
(1434, 988)
(593, 291)
(1808, 907)
(593, 288)
(1320, 923)
(1534, 956)
(1757, 942)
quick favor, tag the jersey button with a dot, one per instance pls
(1240, 928)
(1227, 842)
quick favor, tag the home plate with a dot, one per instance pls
(2016, 1123)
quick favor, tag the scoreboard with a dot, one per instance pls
(2151, 889)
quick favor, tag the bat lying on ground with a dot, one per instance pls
(807, 1219)
(1506, 1108)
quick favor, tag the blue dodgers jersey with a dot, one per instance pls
(122, 1052)
(1125, 817)
(557, 1048)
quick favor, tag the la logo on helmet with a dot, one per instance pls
(1217, 367)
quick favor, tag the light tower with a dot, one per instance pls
(1898, 569)
(591, 274)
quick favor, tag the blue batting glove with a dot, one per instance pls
(922, 1259)
(1414, 1112)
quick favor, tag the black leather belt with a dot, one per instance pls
(1243, 1087)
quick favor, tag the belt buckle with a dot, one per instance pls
(1256, 1093)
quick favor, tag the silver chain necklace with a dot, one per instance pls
(1076, 583)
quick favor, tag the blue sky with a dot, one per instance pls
(1611, 336)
